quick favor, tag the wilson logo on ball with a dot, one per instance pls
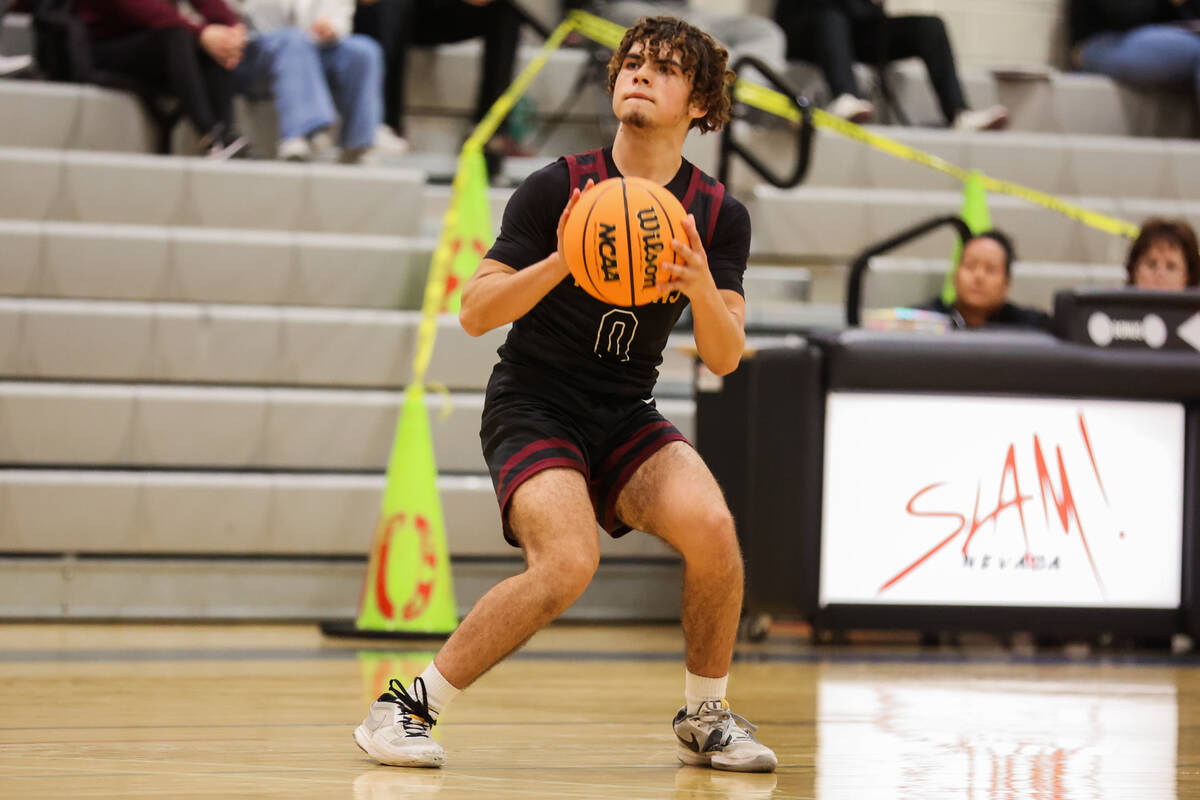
(618, 237)
(651, 245)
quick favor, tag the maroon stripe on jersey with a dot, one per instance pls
(601, 164)
(650, 448)
(716, 197)
(534, 468)
(532, 447)
(693, 187)
(578, 168)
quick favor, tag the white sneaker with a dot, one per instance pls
(358, 155)
(320, 142)
(985, 119)
(388, 143)
(397, 728)
(223, 151)
(851, 108)
(295, 148)
(714, 737)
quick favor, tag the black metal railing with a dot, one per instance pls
(858, 268)
(804, 134)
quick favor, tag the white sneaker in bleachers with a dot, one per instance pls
(993, 118)
(851, 108)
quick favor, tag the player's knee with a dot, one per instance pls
(714, 535)
(717, 524)
(567, 574)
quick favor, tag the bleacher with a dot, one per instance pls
(202, 362)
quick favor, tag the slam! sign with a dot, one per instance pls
(959, 500)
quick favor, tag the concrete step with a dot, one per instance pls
(134, 342)
(75, 186)
(188, 343)
(204, 265)
(211, 265)
(123, 425)
(156, 588)
(842, 222)
(1112, 167)
(219, 513)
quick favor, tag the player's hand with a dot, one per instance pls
(691, 277)
(562, 224)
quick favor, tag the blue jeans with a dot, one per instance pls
(1151, 55)
(315, 84)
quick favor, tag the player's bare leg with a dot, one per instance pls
(674, 496)
(552, 517)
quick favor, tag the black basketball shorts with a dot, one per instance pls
(528, 428)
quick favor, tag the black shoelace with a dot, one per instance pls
(418, 719)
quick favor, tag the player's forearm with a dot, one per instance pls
(498, 298)
(720, 336)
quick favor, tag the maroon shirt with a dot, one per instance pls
(110, 19)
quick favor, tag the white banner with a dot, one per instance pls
(963, 500)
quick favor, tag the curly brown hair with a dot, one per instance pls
(1172, 231)
(703, 60)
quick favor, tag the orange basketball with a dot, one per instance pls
(618, 234)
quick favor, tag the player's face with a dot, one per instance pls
(980, 281)
(1162, 266)
(652, 90)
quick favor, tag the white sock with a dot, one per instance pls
(440, 690)
(697, 689)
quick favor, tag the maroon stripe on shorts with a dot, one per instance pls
(642, 433)
(533, 447)
(533, 468)
(614, 492)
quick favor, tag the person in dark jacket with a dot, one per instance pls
(152, 42)
(981, 283)
(399, 24)
(1142, 42)
(835, 33)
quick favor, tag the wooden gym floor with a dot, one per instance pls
(583, 712)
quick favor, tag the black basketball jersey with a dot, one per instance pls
(569, 335)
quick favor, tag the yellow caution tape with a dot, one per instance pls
(443, 254)
(598, 29)
(609, 34)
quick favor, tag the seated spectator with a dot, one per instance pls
(153, 43)
(399, 24)
(981, 283)
(1164, 256)
(836, 33)
(304, 54)
(1142, 42)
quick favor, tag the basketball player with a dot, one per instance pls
(570, 431)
